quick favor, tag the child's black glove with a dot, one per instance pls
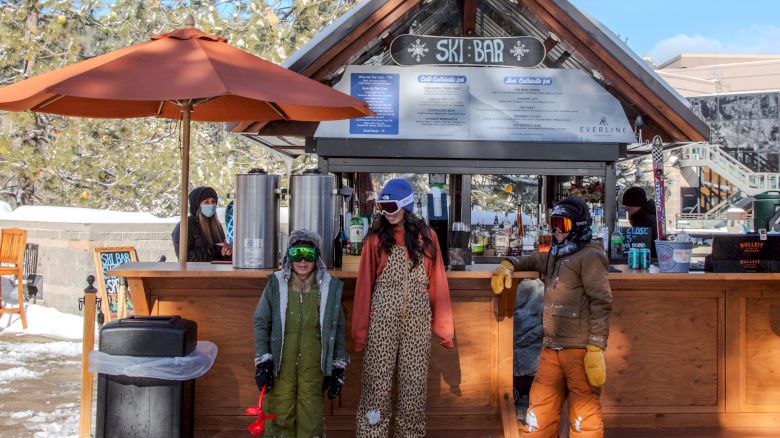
(333, 383)
(264, 375)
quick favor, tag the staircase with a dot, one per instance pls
(712, 156)
(720, 211)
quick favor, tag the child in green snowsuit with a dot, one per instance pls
(299, 340)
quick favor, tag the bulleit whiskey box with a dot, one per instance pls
(745, 253)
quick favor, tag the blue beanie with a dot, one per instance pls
(397, 190)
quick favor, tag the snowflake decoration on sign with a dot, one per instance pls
(417, 49)
(519, 50)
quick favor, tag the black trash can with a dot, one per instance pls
(140, 406)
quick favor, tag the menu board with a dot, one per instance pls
(114, 299)
(477, 103)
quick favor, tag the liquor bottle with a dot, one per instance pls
(604, 234)
(476, 243)
(484, 236)
(597, 214)
(519, 221)
(616, 244)
(529, 239)
(493, 231)
(545, 238)
(501, 241)
(515, 243)
(356, 231)
(340, 244)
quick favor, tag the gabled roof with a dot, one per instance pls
(572, 38)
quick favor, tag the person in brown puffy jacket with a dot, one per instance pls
(577, 305)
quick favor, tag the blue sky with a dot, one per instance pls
(666, 28)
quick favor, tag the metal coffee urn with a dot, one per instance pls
(313, 206)
(256, 221)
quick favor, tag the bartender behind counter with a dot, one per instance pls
(205, 236)
(641, 212)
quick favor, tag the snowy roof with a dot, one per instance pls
(45, 213)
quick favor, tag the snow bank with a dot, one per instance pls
(45, 213)
(44, 321)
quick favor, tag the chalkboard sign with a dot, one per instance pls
(636, 237)
(114, 299)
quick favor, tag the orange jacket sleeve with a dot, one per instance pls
(439, 291)
(361, 309)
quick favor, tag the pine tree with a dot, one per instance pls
(130, 164)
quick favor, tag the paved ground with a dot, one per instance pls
(40, 382)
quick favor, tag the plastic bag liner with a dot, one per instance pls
(186, 367)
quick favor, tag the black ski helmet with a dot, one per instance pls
(577, 210)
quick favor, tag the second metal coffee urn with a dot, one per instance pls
(313, 206)
(256, 218)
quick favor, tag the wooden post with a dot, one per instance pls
(85, 413)
(121, 303)
(186, 115)
(506, 400)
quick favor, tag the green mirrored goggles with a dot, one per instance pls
(298, 253)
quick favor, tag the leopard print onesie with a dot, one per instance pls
(399, 332)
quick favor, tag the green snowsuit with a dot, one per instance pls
(304, 335)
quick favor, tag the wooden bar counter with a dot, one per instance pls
(685, 350)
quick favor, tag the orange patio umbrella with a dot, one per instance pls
(185, 74)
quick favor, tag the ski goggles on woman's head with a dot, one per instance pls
(305, 253)
(561, 224)
(392, 206)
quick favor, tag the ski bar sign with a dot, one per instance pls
(524, 51)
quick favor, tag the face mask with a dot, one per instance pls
(208, 210)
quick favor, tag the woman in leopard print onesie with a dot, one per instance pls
(401, 296)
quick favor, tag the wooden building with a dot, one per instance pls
(685, 350)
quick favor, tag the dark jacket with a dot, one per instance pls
(577, 296)
(199, 249)
(645, 217)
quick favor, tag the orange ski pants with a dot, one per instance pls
(561, 375)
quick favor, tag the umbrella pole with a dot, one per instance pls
(186, 111)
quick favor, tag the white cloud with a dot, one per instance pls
(756, 39)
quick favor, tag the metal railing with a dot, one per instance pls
(712, 156)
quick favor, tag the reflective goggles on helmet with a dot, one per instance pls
(305, 253)
(392, 206)
(561, 224)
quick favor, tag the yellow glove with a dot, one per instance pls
(595, 368)
(502, 277)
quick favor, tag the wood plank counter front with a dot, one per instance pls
(685, 350)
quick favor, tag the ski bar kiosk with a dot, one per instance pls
(685, 350)
(475, 120)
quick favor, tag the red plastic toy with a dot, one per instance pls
(257, 427)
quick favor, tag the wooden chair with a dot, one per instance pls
(12, 244)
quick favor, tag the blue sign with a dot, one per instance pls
(380, 91)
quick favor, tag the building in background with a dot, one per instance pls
(737, 96)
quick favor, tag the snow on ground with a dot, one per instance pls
(45, 213)
(44, 321)
(40, 374)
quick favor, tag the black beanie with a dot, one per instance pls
(198, 195)
(635, 197)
